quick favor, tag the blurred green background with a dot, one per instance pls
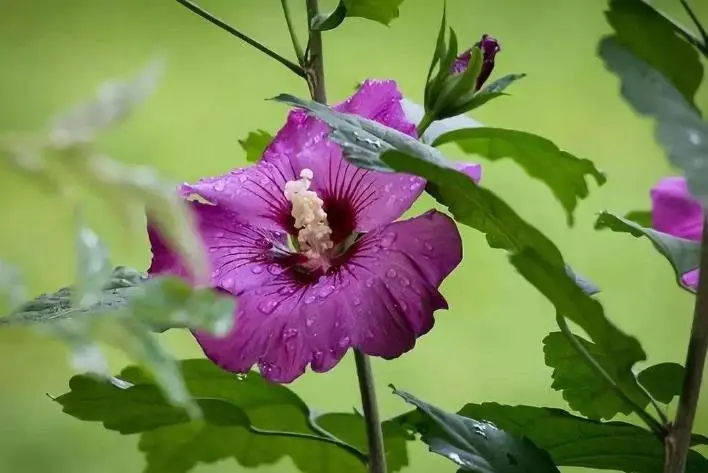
(486, 347)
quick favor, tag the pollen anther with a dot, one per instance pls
(310, 218)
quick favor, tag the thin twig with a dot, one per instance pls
(314, 57)
(696, 21)
(293, 34)
(377, 453)
(678, 441)
(652, 423)
(226, 27)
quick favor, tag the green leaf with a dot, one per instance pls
(683, 255)
(414, 113)
(640, 217)
(579, 442)
(663, 381)
(12, 289)
(255, 145)
(562, 172)
(94, 267)
(351, 429)
(244, 417)
(679, 128)
(656, 40)
(491, 91)
(381, 11)
(475, 445)
(583, 389)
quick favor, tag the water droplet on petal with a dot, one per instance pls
(219, 186)
(405, 281)
(257, 269)
(428, 246)
(309, 321)
(370, 282)
(356, 301)
(309, 299)
(391, 273)
(326, 291)
(286, 290)
(344, 342)
(403, 305)
(388, 239)
(289, 333)
(268, 306)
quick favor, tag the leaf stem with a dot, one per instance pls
(652, 423)
(293, 35)
(377, 453)
(678, 440)
(226, 27)
(321, 438)
(696, 21)
(314, 66)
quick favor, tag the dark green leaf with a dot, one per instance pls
(656, 40)
(381, 11)
(244, 417)
(680, 130)
(684, 255)
(255, 144)
(575, 441)
(476, 445)
(640, 217)
(12, 289)
(663, 381)
(583, 389)
(562, 172)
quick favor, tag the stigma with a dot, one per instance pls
(314, 234)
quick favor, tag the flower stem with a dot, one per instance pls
(697, 22)
(293, 35)
(651, 422)
(424, 124)
(314, 66)
(377, 454)
(246, 39)
(678, 440)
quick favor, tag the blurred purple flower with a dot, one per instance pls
(490, 47)
(352, 276)
(676, 212)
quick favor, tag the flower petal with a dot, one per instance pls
(379, 300)
(675, 211)
(355, 199)
(255, 194)
(241, 256)
(474, 171)
(690, 279)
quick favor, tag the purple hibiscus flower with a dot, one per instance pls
(310, 245)
(676, 212)
(490, 47)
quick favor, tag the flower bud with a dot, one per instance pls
(489, 47)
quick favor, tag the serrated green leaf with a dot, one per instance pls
(582, 388)
(679, 128)
(255, 144)
(380, 11)
(476, 445)
(579, 442)
(562, 172)
(12, 289)
(244, 417)
(663, 381)
(656, 40)
(683, 255)
(640, 217)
